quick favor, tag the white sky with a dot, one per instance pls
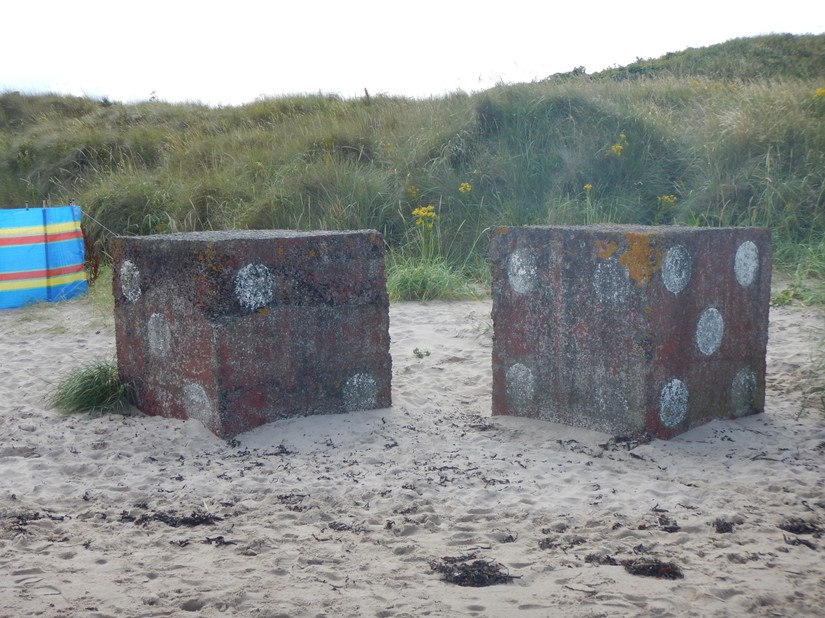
(232, 52)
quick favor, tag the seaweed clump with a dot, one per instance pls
(651, 567)
(469, 571)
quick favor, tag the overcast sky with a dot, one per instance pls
(232, 52)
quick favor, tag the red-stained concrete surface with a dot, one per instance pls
(630, 330)
(242, 328)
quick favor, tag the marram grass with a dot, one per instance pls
(426, 279)
(92, 387)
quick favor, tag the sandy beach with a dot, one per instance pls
(366, 514)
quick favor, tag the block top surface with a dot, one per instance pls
(627, 228)
(245, 235)
(230, 273)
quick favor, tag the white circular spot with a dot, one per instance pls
(130, 281)
(519, 384)
(709, 331)
(673, 403)
(743, 392)
(677, 269)
(360, 393)
(254, 286)
(522, 271)
(746, 263)
(611, 283)
(196, 404)
(159, 335)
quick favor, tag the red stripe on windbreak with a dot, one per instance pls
(35, 274)
(39, 238)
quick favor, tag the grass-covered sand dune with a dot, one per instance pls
(731, 134)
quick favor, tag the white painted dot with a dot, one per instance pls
(522, 271)
(746, 263)
(611, 283)
(130, 281)
(360, 393)
(196, 404)
(673, 403)
(254, 286)
(520, 385)
(160, 335)
(709, 331)
(677, 269)
(743, 392)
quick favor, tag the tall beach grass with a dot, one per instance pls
(727, 135)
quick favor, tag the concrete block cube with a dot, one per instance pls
(630, 330)
(242, 328)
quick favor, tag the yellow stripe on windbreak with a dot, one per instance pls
(34, 230)
(42, 282)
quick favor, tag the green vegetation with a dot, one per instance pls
(732, 134)
(93, 387)
(416, 279)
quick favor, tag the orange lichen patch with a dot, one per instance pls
(209, 259)
(312, 253)
(640, 259)
(501, 230)
(606, 248)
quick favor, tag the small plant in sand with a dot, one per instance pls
(93, 387)
(419, 353)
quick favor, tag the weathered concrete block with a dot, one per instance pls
(241, 328)
(630, 329)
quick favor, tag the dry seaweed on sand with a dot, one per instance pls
(668, 524)
(722, 526)
(22, 520)
(798, 541)
(651, 567)
(197, 518)
(601, 559)
(468, 571)
(797, 525)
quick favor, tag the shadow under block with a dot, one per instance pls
(237, 329)
(630, 329)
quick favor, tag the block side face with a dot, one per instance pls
(553, 342)
(166, 354)
(202, 321)
(630, 329)
(713, 334)
(521, 335)
(297, 361)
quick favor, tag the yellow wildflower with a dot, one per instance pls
(588, 187)
(667, 200)
(413, 192)
(425, 215)
(820, 93)
(465, 187)
(616, 149)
